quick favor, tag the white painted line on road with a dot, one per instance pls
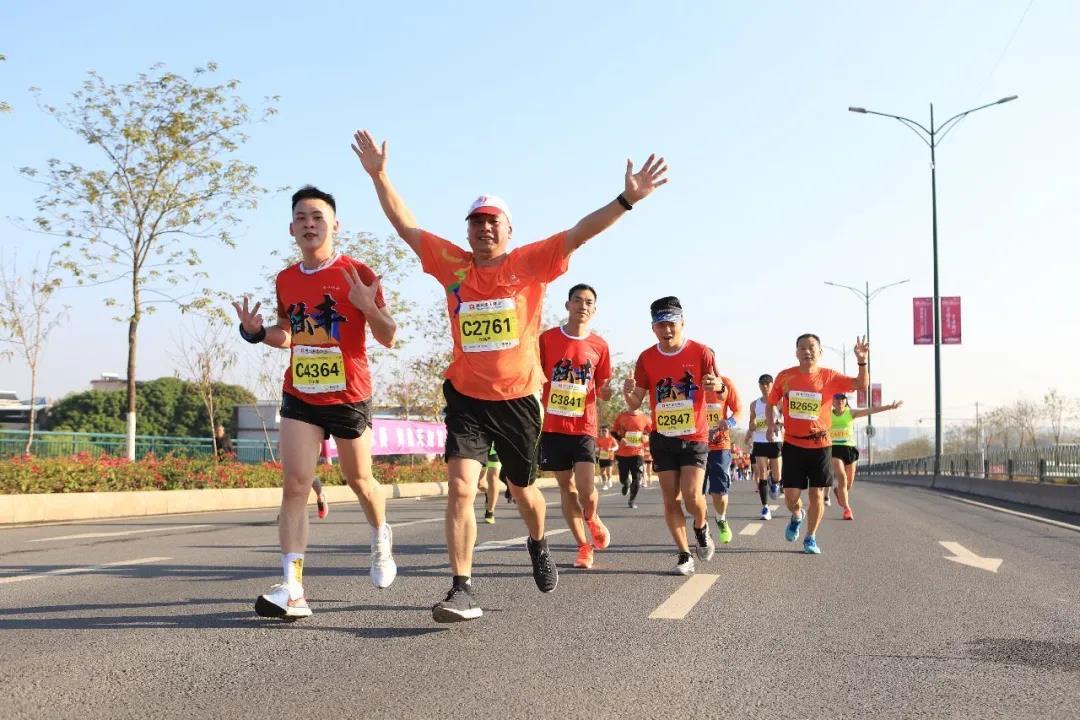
(683, 600)
(415, 522)
(86, 536)
(774, 508)
(83, 569)
(1017, 513)
(513, 542)
(751, 529)
(962, 555)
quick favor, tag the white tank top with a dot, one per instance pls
(761, 424)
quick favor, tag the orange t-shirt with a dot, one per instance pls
(632, 429)
(807, 403)
(494, 313)
(605, 447)
(675, 392)
(717, 405)
(573, 367)
(329, 364)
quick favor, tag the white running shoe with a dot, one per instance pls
(280, 603)
(383, 568)
(705, 552)
(685, 564)
(766, 514)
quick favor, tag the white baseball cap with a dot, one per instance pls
(489, 205)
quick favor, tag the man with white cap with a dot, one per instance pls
(494, 298)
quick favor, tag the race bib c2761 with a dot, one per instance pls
(675, 418)
(566, 399)
(803, 405)
(317, 369)
(486, 325)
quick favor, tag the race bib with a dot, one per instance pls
(566, 399)
(715, 414)
(317, 369)
(761, 424)
(485, 325)
(840, 435)
(604, 455)
(675, 418)
(804, 405)
(632, 438)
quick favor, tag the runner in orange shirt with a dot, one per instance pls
(325, 305)
(577, 368)
(721, 408)
(675, 374)
(494, 298)
(605, 455)
(806, 391)
(631, 428)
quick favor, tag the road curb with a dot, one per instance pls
(1062, 498)
(65, 507)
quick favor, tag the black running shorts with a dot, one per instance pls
(770, 450)
(347, 421)
(672, 453)
(559, 451)
(806, 467)
(848, 454)
(472, 425)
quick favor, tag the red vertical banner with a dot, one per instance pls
(924, 319)
(950, 321)
(860, 398)
(875, 394)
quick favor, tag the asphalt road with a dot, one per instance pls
(153, 618)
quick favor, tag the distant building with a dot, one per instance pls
(108, 381)
(15, 413)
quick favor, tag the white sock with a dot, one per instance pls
(722, 517)
(292, 565)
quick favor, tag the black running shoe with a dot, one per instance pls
(458, 606)
(625, 488)
(545, 573)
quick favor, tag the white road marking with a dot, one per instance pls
(962, 555)
(415, 522)
(85, 536)
(513, 542)
(79, 570)
(751, 529)
(1017, 513)
(774, 508)
(683, 600)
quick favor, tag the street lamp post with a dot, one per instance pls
(867, 295)
(932, 138)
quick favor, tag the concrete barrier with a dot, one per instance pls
(1062, 498)
(64, 507)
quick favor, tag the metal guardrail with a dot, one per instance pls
(1055, 463)
(66, 444)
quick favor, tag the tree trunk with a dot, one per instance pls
(133, 330)
(33, 409)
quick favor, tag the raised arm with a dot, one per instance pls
(863, 412)
(364, 298)
(632, 394)
(253, 330)
(862, 352)
(638, 186)
(374, 158)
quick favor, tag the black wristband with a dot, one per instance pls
(861, 364)
(253, 339)
(624, 202)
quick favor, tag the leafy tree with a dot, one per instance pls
(166, 178)
(203, 355)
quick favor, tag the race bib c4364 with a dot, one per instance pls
(803, 405)
(675, 418)
(566, 399)
(317, 369)
(485, 325)
(632, 439)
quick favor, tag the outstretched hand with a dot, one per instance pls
(251, 320)
(640, 184)
(360, 295)
(862, 349)
(372, 157)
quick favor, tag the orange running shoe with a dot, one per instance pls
(848, 515)
(322, 505)
(600, 536)
(584, 557)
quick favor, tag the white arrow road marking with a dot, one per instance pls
(84, 536)
(513, 542)
(751, 529)
(962, 555)
(683, 600)
(83, 569)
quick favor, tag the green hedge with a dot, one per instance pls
(86, 473)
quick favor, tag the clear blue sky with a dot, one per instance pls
(774, 188)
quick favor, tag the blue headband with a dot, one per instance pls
(667, 315)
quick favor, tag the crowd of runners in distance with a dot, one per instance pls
(521, 398)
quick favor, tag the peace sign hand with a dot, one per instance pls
(640, 184)
(360, 295)
(372, 157)
(862, 349)
(250, 320)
